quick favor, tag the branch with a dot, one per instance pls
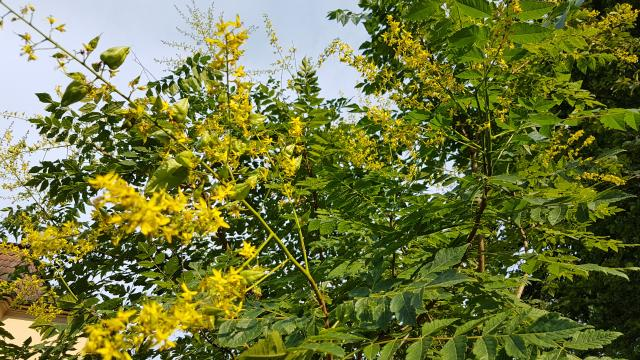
(525, 245)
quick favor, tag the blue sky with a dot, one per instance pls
(143, 24)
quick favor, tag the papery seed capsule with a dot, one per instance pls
(115, 56)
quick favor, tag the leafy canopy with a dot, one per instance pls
(209, 215)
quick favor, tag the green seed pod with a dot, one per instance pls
(74, 92)
(179, 110)
(252, 275)
(115, 56)
(187, 159)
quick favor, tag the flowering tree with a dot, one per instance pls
(204, 215)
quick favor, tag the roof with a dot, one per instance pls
(10, 260)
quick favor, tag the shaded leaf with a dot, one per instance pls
(455, 349)
(433, 326)
(418, 350)
(485, 348)
(475, 8)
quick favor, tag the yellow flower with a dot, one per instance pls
(247, 250)
(296, 127)
(187, 294)
(222, 192)
(149, 216)
(516, 7)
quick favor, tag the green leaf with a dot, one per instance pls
(544, 119)
(445, 259)
(171, 266)
(555, 326)
(533, 9)
(235, 333)
(423, 9)
(388, 350)
(485, 348)
(325, 348)
(555, 215)
(616, 119)
(448, 278)
(468, 326)
(591, 339)
(335, 334)
(469, 35)
(418, 350)
(475, 8)
(632, 118)
(44, 97)
(404, 306)
(525, 33)
(270, 348)
(92, 44)
(371, 351)
(433, 326)
(4, 333)
(151, 274)
(603, 269)
(455, 349)
(515, 347)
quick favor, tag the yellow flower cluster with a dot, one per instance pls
(225, 46)
(622, 18)
(516, 7)
(347, 55)
(225, 291)
(248, 251)
(397, 134)
(54, 240)
(43, 311)
(574, 152)
(162, 214)
(290, 164)
(147, 215)
(220, 294)
(613, 179)
(432, 79)
(26, 288)
(226, 42)
(15, 156)
(625, 56)
(559, 145)
(360, 149)
(30, 290)
(296, 127)
(106, 338)
(29, 47)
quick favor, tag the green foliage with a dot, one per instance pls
(439, 227)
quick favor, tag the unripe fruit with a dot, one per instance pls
(115, 56)
(74, 92)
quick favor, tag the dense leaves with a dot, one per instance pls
(207, 216)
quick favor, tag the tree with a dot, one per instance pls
(205, 216)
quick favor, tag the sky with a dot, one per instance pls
(143, 24)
